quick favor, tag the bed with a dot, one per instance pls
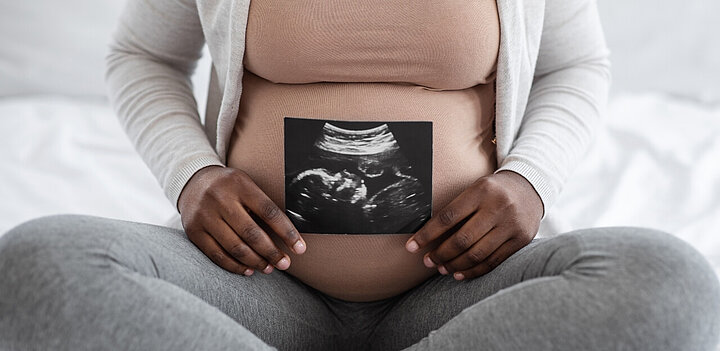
(656, 163)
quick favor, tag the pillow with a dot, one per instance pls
(59, 47)
(665, 46)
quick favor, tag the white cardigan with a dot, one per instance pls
(552, 83)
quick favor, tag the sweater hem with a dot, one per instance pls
(183, 175)
(535, 178)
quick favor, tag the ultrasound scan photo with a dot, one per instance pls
(357, 177)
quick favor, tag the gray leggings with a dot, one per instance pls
(88, 283)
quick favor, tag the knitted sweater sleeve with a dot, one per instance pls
(567, 98)
(154, 52)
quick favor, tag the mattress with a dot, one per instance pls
(654, 164)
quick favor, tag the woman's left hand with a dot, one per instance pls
(503, 214)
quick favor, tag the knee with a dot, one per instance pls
(646, 251)
(39, 244)
(654, 252)
(673, 279)
(33, 236)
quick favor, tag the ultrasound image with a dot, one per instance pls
(351, 177)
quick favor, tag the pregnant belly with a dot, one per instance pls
(357, 191)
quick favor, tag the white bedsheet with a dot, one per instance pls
(61, 155)
(657, 164)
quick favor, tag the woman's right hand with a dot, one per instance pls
(219, 207)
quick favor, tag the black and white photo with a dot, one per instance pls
(357, 177)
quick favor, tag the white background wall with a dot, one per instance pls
(59, 47)
(666, 45)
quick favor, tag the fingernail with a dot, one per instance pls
(412, 246)
(428, 262)
(442, 270)
(248, 272)
(267, 269)
(459, 276)
(283, 264)
(299, 247)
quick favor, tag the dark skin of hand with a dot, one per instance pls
(220, 208)
(501, 214)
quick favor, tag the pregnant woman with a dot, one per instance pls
(370, 175)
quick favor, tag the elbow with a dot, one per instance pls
(112, 59)
(115, 60)
(602, 65)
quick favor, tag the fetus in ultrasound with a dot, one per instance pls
(356, 181)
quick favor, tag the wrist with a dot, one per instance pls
(197, 180)
(522, 185)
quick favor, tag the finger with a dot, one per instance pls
(457, 243)
(212, 249)
(261, 205)
(455, 212)
(236, 247)
(495, 259)
(478, 252)
(251, 233)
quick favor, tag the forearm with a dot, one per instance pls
(566, 102)
(148, 77)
